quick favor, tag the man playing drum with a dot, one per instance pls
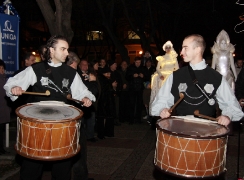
(60, 79)
(202, 87)
(210, 81)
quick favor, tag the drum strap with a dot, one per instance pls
(211, 101)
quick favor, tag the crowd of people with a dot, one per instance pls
(113, 94)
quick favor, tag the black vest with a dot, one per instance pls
(61, 76)
(194, 99)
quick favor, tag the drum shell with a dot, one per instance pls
(47, 140)
(190, 157)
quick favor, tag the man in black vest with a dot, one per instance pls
(57, 77)
(212, 83)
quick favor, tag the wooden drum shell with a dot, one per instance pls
(47, 140)
(190, 157)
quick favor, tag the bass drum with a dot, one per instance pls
(190, 147)
(47, 132)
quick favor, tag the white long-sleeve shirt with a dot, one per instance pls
(27, 77)
(224, 95)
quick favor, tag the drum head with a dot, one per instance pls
(193, 127)
(48, 113)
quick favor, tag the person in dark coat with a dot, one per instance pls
(80, 170)
(4, 109)
(124, 94)
(149, 70)
(106, 105)
(115, 76)
(135, 76)
(147, 56)
(89, 79)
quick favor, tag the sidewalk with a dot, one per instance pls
(129, 155)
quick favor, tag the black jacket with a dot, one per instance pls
(135, 83)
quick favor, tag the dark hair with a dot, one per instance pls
(137, 58)
(91, 66)
(41, 50)
(2, 64)
(28, 55)
(51, 44)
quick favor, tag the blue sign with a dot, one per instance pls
(9, 42)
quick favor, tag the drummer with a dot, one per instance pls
(60, 79)
(211, 83)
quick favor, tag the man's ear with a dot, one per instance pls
(198, 49)
(51, 49)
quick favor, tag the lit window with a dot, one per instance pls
(132, 35)
(94, 35)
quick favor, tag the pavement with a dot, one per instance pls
(127, 156)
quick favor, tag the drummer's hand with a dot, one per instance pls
(223, 120)
(165, 113)
(87, 102)
(17, 91)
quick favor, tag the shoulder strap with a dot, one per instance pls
(211, 101)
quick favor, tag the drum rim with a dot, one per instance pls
(189, 176)
(189, 136)
(47, 121)
(47, 158)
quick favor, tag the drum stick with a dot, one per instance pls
(179, 100)
(47, 93)
(196, 112)
(70, 98)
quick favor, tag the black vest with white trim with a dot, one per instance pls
(193, 97)
(62, 76)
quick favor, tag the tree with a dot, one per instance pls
(58, 18)
(108, 21)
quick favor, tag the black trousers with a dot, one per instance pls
(1, 135)
(105, 127)
(124, 106)
(136, 103)
(32, 169)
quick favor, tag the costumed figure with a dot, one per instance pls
(223, 60)
(166, 65)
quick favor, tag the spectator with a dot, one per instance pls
(238, 66)
(124, 94)
(41, 52)
(115, 76)
(89, 112)
(147, 56)
(135, 77)
(102, 64)
(79, 169)
(29, 59)
(4, 109)
(149, 70)
(106, 105)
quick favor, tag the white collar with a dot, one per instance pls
(54, 65)
(199, 66)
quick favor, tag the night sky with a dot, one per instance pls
(205, 17)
